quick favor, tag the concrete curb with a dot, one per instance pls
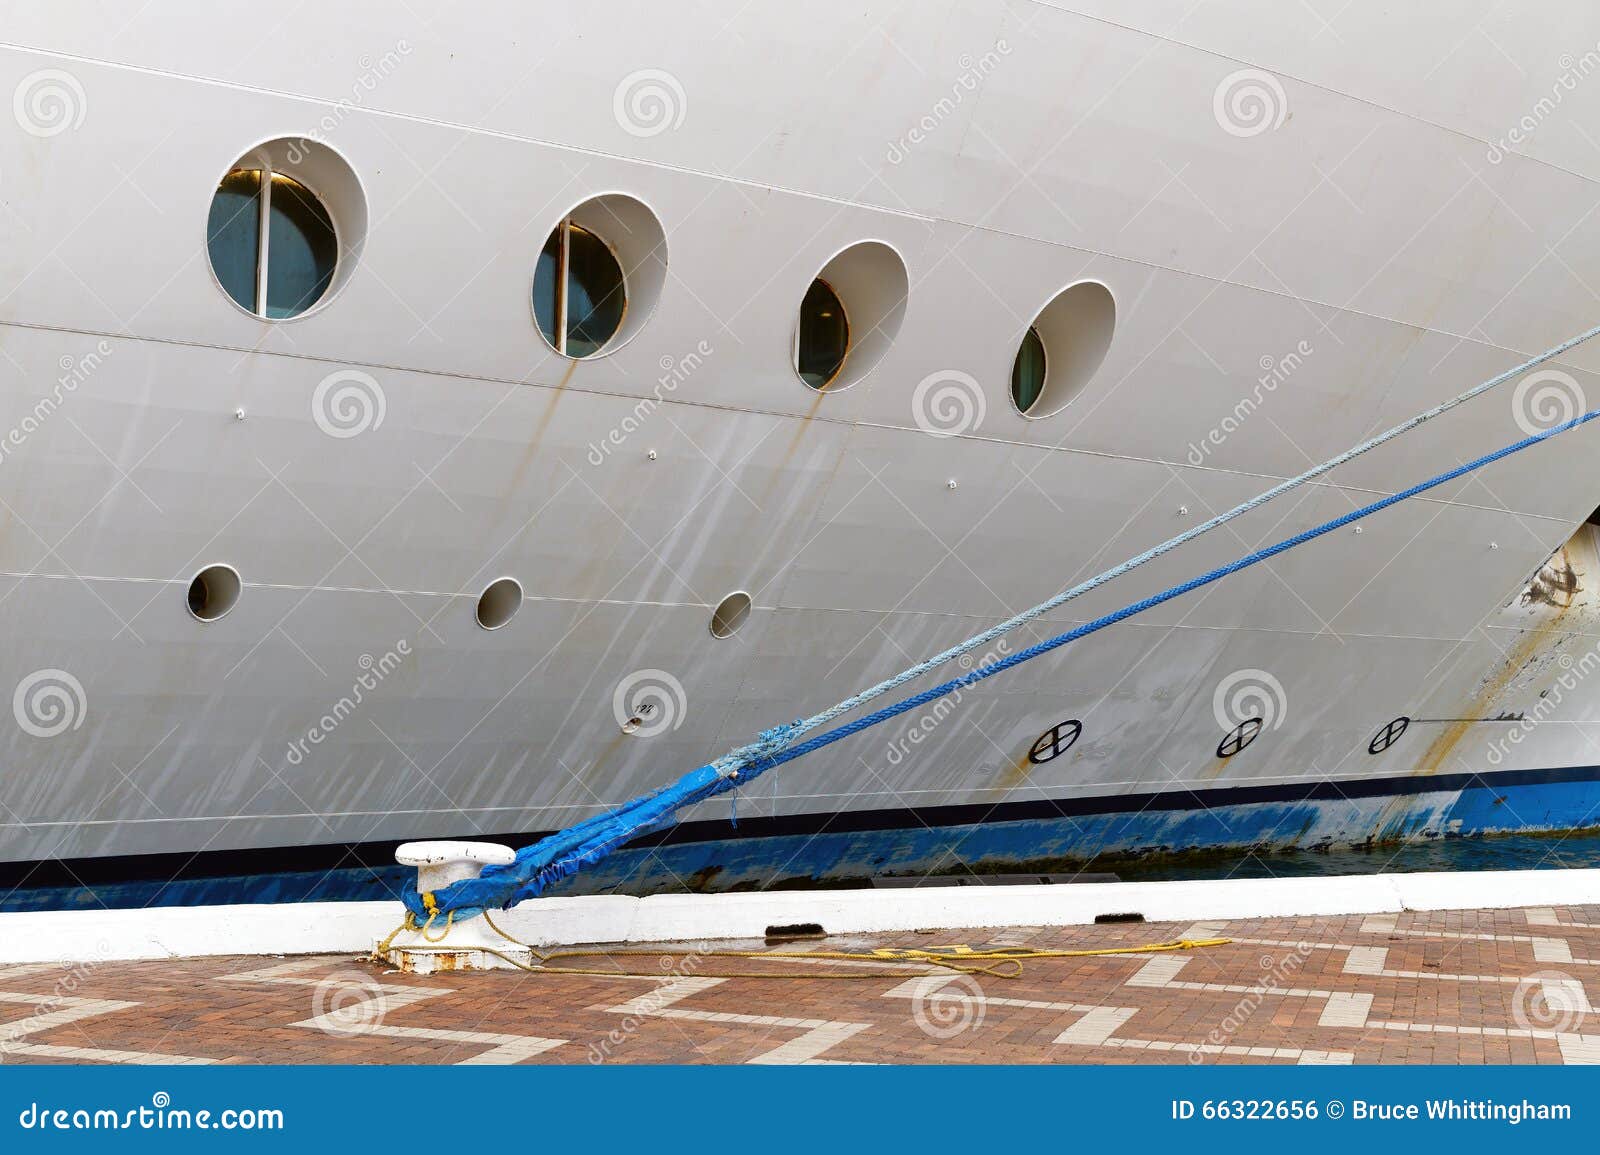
(338, 927)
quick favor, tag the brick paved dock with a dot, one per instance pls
(1506, 986)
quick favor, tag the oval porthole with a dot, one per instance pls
(849, 316)
(1063, 349)
(598, 277)
(499, 602)
(284, 225)
(214, 591)
(731, 613)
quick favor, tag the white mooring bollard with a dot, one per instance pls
(469, 945)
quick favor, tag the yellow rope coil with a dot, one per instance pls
(996, 962)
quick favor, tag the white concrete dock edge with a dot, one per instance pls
(310, 928)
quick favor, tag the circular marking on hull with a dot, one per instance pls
(1388, 736)
(1239, 737)
(1055, 741)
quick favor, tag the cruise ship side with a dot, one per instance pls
(435, 424)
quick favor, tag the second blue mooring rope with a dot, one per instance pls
(561, 855)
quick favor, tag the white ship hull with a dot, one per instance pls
(1391, 233)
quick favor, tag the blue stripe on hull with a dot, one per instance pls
(1068, 841)
(1033, 837)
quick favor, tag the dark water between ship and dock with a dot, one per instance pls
(375, 882)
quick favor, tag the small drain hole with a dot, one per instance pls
(1130, 916)
(499, 603)
(792, 931)
(214, 591)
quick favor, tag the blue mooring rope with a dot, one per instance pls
(560, 855)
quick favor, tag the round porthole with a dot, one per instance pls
(1063, 349)
(499, 602)
(214, 591)
(598, 277)
(284, 227)
(849, 316)
(731, 613)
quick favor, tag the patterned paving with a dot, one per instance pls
(1469, 987)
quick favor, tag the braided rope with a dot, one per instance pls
(770, 742)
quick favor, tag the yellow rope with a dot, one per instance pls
(996, 962)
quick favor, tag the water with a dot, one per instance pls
(1514, 852)
(1510, 852)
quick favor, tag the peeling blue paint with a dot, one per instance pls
(1357, 814)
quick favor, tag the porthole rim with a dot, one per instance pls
(850, 349)
(522, 595)
(614, 344)
(749, 609)
(341, 265)
(198, 574)
(1033, 323)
